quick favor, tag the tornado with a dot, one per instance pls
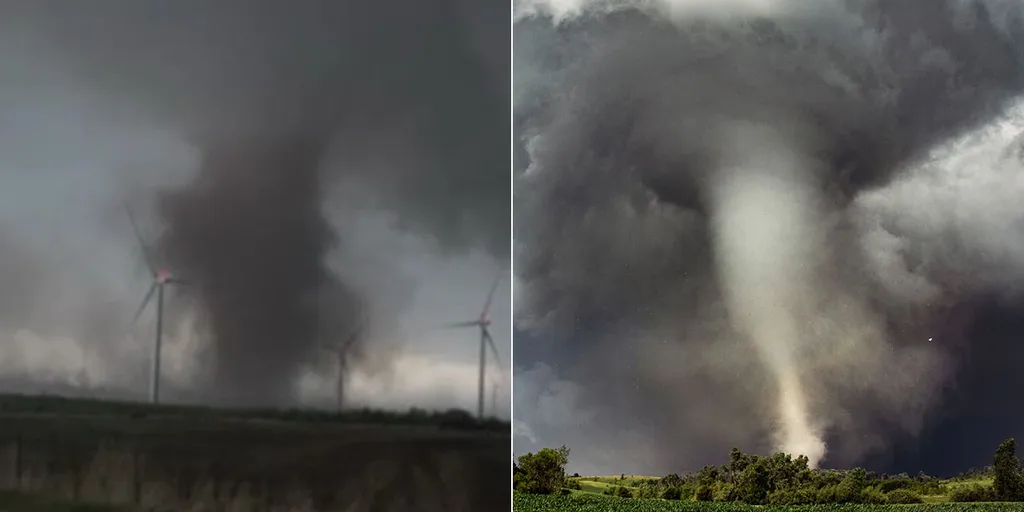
(252, 240)
(766, 242)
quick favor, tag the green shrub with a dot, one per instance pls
(647, 492)
(829, 478)
(672, 480)
(893, 484)
(825, 495)
(792, 497)
(929, 488)
(688, 491)
(649, 489)
(903, 497)
(619, 491)
(782, 497)
(704, 493)
(806, 496)
(872, 496)
(850, 489)
(672, 493)
(725, 493)
(972, 493)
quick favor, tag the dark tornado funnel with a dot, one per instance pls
(250, 235)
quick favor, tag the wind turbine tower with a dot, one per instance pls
(483, 322)
(341, 352)
(494, 399)
(161, 278)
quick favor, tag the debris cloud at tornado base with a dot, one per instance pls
(700, 180)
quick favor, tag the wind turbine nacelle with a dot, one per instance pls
(163, 275)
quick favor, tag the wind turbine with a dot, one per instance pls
(161, 278)
(494, 399)
(341, 352)
(483, 322)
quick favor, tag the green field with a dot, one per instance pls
(591, 496)
(626, 480)
(588, 502)
(599, 484)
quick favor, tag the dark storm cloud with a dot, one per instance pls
(243, 70)
(625, 118)
(406, 97)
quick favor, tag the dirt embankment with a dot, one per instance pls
(223, 465)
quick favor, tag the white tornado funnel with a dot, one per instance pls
(767, 246)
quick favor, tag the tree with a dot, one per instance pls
(707, 475)
(704, 493)
(1007, 484)
(754, 483)
(672, 480)
(542, 472)
(853, 483)
(738, 461)
(672, 493)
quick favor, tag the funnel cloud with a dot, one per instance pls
(728, 228)
(262, 311)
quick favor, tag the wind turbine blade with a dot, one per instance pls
(457, 325)
(353, 336)
(145, 302)
(494, 349)
(180, 282)
(142, 243)
(343, 347)
(490, 296)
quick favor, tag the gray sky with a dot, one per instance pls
(420, 240)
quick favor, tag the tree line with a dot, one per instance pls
(781, 479)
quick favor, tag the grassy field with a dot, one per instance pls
(41, 405)
(587, 502)
(598, 484)
(142, 455)
(625, 480)
(958, 483)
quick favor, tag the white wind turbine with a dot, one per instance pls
(161, 278)
(341, 352)
(483, 322)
